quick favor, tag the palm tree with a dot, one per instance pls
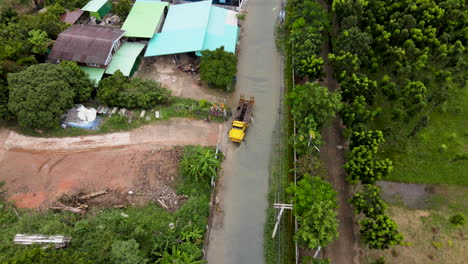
(200, 163)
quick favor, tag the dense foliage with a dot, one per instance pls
(380, 232)
(118, 90)
(200, 163)
(218, 68)
(135, 235)
(40, 94)
(369, 202)
(312, 106)
(122, 8)
(314, 205)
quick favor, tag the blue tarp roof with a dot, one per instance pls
(194, 27)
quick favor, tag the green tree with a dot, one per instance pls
(141, 93)
(369, 138)
(39, 41)
(78, 80)
(311, 67)
(122, 8)
(218, 67)
(109, 89)
(312, 105)
(36, 255)
(358, 113)
(369, 202)
(364, 166)
(4, 94)
(414, 93)
(380, 232)
(355, 41)
(126, 252)
(314, 203)
(359, 85)
(40, 94)
(200, 164)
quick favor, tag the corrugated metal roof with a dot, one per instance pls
(125, 58)
(222, 30)
(183, 31)
(95, 74)
(195, 27)
(71, 16)
(94, 5)
(143, 19)
(85, 44)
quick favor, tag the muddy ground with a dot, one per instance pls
(144, 161)
(184, 84)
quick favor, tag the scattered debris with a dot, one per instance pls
(59, 241)
(81, 117)
(142, 114)
(114, 110)
(92, 195)
(156, 114)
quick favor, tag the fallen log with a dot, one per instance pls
(94, 194)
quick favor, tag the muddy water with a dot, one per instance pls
(237, 232)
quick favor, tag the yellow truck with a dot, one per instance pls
(241, 119)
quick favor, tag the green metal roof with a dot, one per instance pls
(125, 58)
(195, 27)
(95, 74)
(94, 5)
(143, 18)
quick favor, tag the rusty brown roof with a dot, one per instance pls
(71, 17)
(85, 44)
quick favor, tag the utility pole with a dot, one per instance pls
(278, 218)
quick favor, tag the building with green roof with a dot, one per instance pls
(126, 59)
(145, 18)
(194, 27)
(94, 74)
(98, 8)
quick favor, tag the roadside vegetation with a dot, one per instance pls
(218, 68)
(149, 234)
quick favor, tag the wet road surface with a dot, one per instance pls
(237, 232)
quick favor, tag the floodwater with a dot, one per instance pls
(237, 231)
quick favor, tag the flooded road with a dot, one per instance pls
(237, 229)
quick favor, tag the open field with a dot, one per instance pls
(422, 213)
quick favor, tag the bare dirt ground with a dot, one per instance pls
(345, 248)
(183, 84)
(39, 170)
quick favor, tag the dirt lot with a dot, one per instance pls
(422, 212)
(39, 170)
(183, 84)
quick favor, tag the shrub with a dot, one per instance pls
(218, 67)
(458, 219)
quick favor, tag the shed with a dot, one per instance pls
(88, 44)
(71, 17)
(98, 8)
(126, 59)
(94, 74)
(145, 18)
(193, 27)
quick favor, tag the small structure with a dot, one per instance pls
(82, 117)
(58, 241)
(145, 18)
(70, 17)
(88, 45)
(98, 8)
(193, 27)
(126, 59)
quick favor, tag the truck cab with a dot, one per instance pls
(237, 132)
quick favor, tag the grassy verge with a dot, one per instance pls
(429, 235)
(181, 107)
(97, 235)
(435, 154)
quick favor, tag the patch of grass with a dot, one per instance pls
(180, 107)
(241, 16)
(429, 235)
(425, 159)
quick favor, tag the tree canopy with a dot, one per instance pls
(40, 94)
(218, 67)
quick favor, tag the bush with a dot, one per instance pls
(118, 90)
(458, 219)
(218, 68)
(200, 164)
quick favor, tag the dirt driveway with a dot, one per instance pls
(38, 170)
(183, 84)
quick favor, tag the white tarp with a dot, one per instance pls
(86, 114)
